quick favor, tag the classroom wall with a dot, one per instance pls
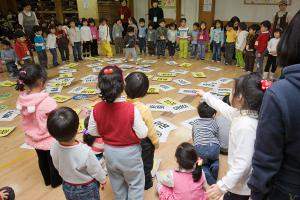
(91, 11)
(225, 9)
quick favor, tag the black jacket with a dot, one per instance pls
(156, 12)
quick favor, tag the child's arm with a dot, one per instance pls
(139, 125)
(90, 35)
(113, 32)
(92, 127)
(42, 114)
(94, 168)
(147, 116)
(165, 178)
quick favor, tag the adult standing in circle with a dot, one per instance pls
(235, 22)
(276, 159)
(282, 17)
(28, 20)
(155, 14)
(124, 13)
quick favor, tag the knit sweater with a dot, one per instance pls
(74, 34)
(117, 31)
(241, 40)
(8, 55)
(203, 37)
(142, 32)
(86, 34)
(161, 33)
(205, 131)
(183, 33)
(217, 35)
(172, 35)
(39, 43)
(104, 34)
(151, 35)
(94, 32)
(51, 41)
(22, 51)
(262, 42)
(250, 42)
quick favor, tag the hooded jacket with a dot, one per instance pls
(34, 109)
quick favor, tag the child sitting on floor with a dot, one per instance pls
(8, 56)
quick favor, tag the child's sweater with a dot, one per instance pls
(22, 51)
(117, 31)
(61, 37)
(51, 41)
(151, 35)
(86, 34)
(205, 131)
(39, 43)
(183, 33)
(231, 36)
(262, 42)
(8, 55)
(161, 33)
(129, 41)
(241, 40)
(250, 42)
(203, 37)
(74, 35)
(172, 35)
(104, 33)
(94, 32)
(34, 110)
(272, 46)
(142, 32)
(217, 35)
(194, 39)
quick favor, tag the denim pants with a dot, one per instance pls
(54, 56)
(194, 50)
(64, 51)
(12, 68)
(161, 47)
(201, 49)
(216, 55)
(82, 192)
(43, 60)
(229, 52)
(232, 196)
(142, 45)
(77, 51)
(259, 63)
(278, 193)
(151, 48)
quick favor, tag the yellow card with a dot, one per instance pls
(153, 89)
(5, 131)
(185, 65)
(81, 125)
(168, 101)
(198, 75)
(77, 110)
(71, 65)
(65, 75)
(150, 76)
(162, 79)
(166, 74)
(7, 83)
(61, 84)
(61, 98)
(89, 91)
(91, 106)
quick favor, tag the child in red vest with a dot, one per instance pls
(21, 48)
(121, 126)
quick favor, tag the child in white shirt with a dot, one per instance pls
(86, 38)
(51, 44)
(104, 37)
(240, 45)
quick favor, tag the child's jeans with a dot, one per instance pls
(194, 50)
(54, 56)
(12, 68)
(86, 48)
(259, 62)
(229, 51)
(142, 45)
(171, 48)
(239, 58)
(151, 47)
(183, 48)
(77, 51)
(130, 52)
(83, 192)
(161, 47)
(201, 49)
(148, 160)
(64, 51)
(43, 60)
(216, 56)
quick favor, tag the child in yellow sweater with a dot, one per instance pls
(137, 85)
(230, 43)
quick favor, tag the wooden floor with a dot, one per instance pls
(19, 168)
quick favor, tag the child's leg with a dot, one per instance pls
(78, 47)
(67, 51)
(88, 44)
(163, 48)
(108, 49)
(202, 49)
(134, 54)
(75, 52)
(44, 165)
(148, 159)
(103, 50)
(61, 51)
(209, 177)
(214, 51)
(45, 59)
(54, 57)
(218, 52)
(259, 62)
(185, 48)
(232, 196)
(144, 45)
(158, 46)
(251, 61)
(181, 47)
(274, 64)
(127, 53)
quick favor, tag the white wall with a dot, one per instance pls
(140, 9)
(225, 9)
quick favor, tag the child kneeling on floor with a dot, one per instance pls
(75, 161)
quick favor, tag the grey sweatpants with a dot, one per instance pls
(126, 171)
(131, 52)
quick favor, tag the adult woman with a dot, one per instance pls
(235, 22)
(124, 13)
(276, 160)
(282, 17)
(155, 14)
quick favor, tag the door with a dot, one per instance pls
(190, 11)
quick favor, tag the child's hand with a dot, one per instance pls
(102, 186)
(258, 55)
(3, 194)
(214, 192)
(200, 92)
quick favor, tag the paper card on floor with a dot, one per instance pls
(137, 60)
(67, 71)
(165, 87)
(126, 66)
(223, 91)
(182, 82)
(191, 92)
(179, 71)
(150, 76)
(90, 79)
(62, 84)
(61, 98)
(95, 65)
(145, 70)
(2, 107)
(77, 110)
(91, 76)
(155, 167)
(70, 75)
(172, 63)
(224, 80)
(70, 65)
(198, 75)
(209, 84)
(216, 69)
(149, 61)
(96, 69)
(77, 90)
(26, 146)
(185, 65)
(114, 62)
(166, 74)
(142, 66)
(53, 89)
(158, 107)
(163, 125)
(168, 101)
(5, 95)
(162, 79)
(7, 83)
(163, 136)
(89, 91)
(220, 96)
(5, 131)
(81, 126)
(153, 89)
(61, 80)
(181, 108)
(190, 122)
(8, 115)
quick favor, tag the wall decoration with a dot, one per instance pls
(265, 2)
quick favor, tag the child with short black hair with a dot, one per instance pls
(250, 50)
(185, 182)
(203, 40)
(117, 35)
(51, 44)
(241, 44)
(151, 39)
(95, 38)
(21, 48)
(205, 139)
(133, 23)
(194, 39)
(217, 40)
(230, 43)
(142, 36)
(172, 35)
(129, 44)
(104, 37)
(161, 38)
(9, 58)
(40, 46)
(34, 106)
(86, 38)
(62, 43)
(75, 40)
(137, 85)
(183, 37)
(75, 161)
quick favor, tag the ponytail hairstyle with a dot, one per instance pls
(31, 75)
(87, 138)
(110, 83)
(188, 159)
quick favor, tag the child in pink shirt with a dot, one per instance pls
(34, 106)
(95, 36)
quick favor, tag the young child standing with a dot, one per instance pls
(62, 43)
(21, 48)
(161, 38)
(172, 35)
(142, 36)
(75, 40)
(121, 140)
(194, 39)
(261, 45)
(95, 38)
(137, 85)
(129, 44)
(272, 57)
(203, 39)
(9, 58)
(186, 182)
(117, 35)
(183, 37)
(40, 46)
(217, 40)
(86, 38)
(241, 44)
(133, 23)
(250, 51)
(205, 139)
(151, 39)
(104, 37)
(51, 44)
(34, 106)
(75, 161)
(230, 43)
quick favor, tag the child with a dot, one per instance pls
(86, 38)
(250, 51)
(129, 44)
(132, 22)
(261, 45)
(62, 43)
(183, 38)
(205, 139)
(272, 57)
(194, 40)
(40, 46)
(30, 46)
(247, 99)
(217, 40)
(75, 40)
(186, 182)
(21, 49)
(172, 35)
(117, 36)
(137, 85)
(203, 39)
(104, 37)
(161, 38)
(7, 193)
(142, 35)
(241, 44)
(34, 106)
(151, 39)
(51, 45)
(8, 56)
(75, 161)
(122, 140)
(95, 37)
(230, 43)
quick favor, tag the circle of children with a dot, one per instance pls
(125, 150)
